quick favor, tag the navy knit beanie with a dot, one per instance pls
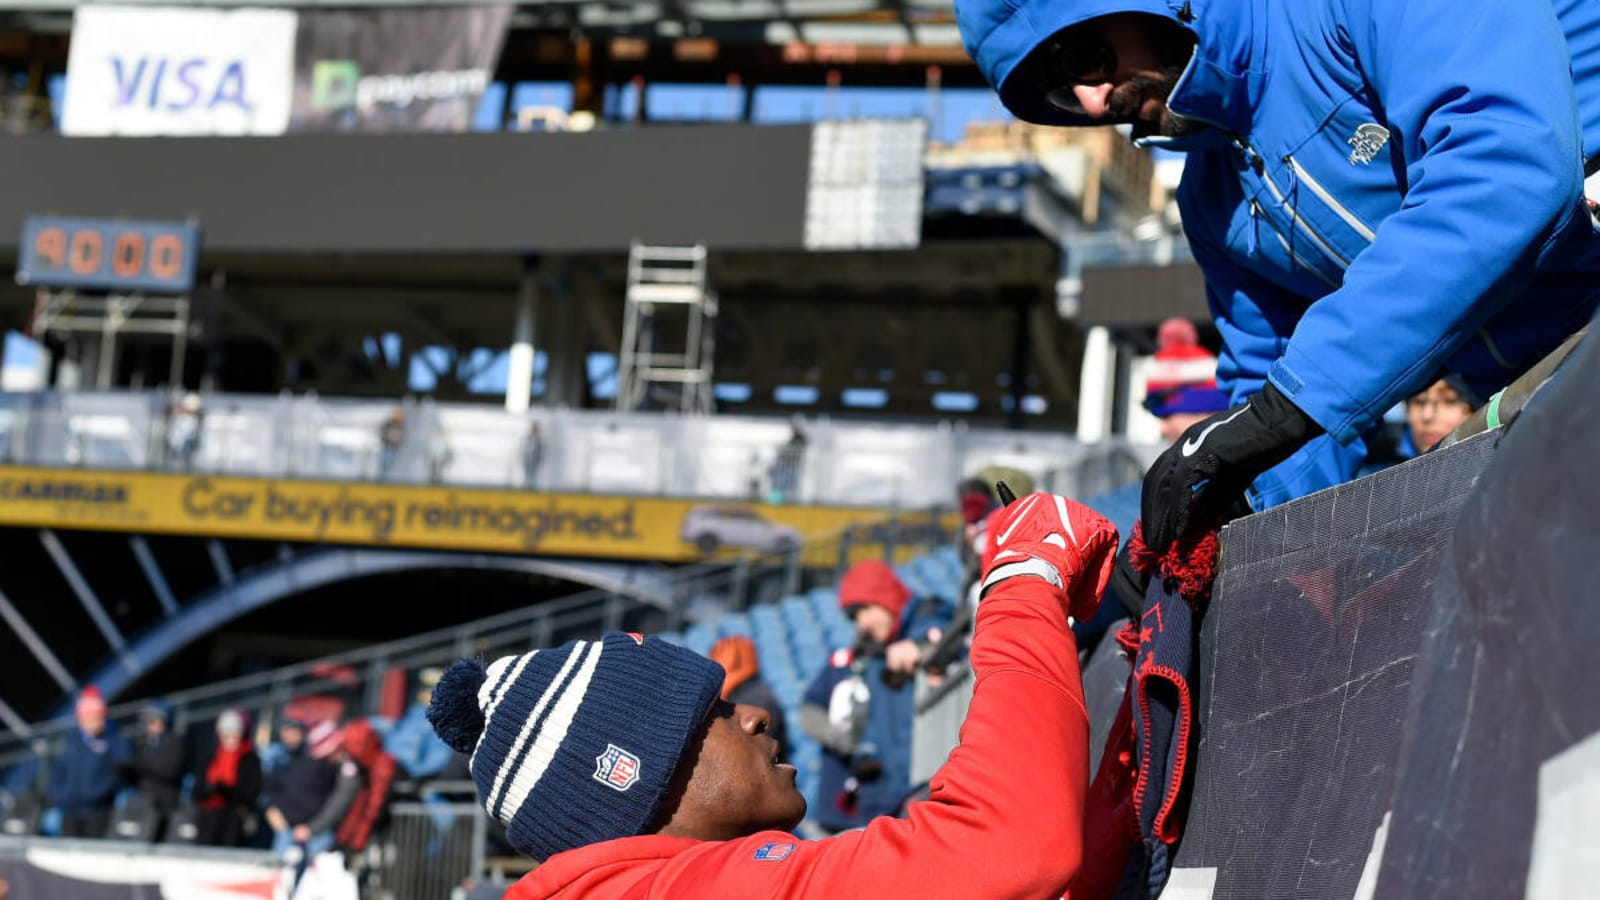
(575, 745)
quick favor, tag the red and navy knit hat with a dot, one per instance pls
(1183, 378)
(575, 745)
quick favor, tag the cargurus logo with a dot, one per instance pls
(339, 84)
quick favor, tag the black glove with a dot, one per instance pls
(1207, 470)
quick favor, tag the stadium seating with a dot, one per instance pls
(795, 636)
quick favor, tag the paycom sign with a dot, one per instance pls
(162, 71)
(422, 69)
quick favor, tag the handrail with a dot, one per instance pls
(1505, 406)
(701, 458)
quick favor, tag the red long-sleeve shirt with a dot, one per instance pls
(1004, 819)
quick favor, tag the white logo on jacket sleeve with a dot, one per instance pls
(616, 768)
(1366, 142)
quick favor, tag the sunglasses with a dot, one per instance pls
(1078, 56)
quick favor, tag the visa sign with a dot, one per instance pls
(194, 82)
(167, 71)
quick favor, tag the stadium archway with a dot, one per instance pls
(304, 572)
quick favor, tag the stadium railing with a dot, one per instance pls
(581, 451)
(429, 848)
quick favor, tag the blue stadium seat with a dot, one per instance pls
(800, 621)
(699, 638)
(738, 623)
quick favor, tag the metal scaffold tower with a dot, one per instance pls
(69, 313)
(668, 331)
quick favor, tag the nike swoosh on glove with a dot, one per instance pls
(1059, 540)
(1208, 468)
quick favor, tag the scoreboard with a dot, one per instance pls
(108, 254)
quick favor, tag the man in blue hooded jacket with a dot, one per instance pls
(1378, 193)
(83, 778)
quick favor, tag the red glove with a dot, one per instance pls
(1059, 540)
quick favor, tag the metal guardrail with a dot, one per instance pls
(1506, 405)
(553, 450)
(424, 851)
(936, 730)
(428, 850)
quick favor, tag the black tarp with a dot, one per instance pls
(1508, 684)
(1389, 668)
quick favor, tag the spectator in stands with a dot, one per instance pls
(783, 477)
(361, 792)
(744, 686)
(391, 437)
(156, 765)
(1433, 413)
(861, 706)
(1181, 388)
(616, 764)
(83, 779)
(976, 499)
(532, 454)
(185, 423)
(411, 741)
(298, 789)
(229, 786)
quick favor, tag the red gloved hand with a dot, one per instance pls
(1059, 540)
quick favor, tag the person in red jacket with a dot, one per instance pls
(617, 765)
(359, 796)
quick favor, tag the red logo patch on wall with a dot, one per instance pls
(616, 768)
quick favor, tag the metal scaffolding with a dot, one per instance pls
(67, 312)
(668, 331)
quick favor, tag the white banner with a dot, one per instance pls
(165, 71)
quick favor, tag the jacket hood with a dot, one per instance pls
(873, 581)
(1000, 34)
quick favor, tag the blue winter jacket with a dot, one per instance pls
(1388, 190)
(891, 714)
(84, 777)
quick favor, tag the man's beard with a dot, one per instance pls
(1127, 99)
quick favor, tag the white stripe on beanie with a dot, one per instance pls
(580, 649)
(548, 742)
(492, 691)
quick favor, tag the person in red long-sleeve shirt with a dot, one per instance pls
(616, 764)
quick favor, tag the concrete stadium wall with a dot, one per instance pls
(734, 187)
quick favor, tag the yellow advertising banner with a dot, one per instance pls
(442, 518)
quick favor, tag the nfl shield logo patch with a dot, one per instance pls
(777, 851)
(616, 768)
